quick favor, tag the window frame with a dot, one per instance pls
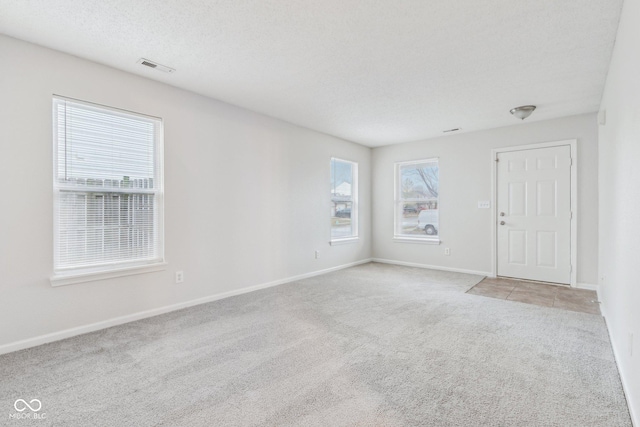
(355, 230)
(398, 201)
(79, 274)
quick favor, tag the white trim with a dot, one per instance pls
(415, 162)
(74, 278)
(344, 241)
(419, 240)
(599, 291)
(67, 333)
(573, 145)
(588, 286)
(431, 267)
(106, 107)
(635, 418)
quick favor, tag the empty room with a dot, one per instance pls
(335, 213)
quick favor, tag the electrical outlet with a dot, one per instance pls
(317, 254)
(447, 251)
(179, 276)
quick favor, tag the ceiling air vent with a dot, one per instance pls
(451, 130)
(155, 65)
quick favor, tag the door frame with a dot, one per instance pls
(573, 144)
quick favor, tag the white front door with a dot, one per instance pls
(534, 214)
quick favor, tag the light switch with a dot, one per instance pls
(484, 204)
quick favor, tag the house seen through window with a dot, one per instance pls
(416, 206)
(344, 200)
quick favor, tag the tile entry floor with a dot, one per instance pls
(558, 296)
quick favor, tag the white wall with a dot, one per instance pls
(247, 197)
(465, 179)
(620, 201)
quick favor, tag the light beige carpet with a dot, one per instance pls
(373, 345)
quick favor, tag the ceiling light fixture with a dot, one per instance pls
(523, 112)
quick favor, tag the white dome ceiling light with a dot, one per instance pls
(523, 112)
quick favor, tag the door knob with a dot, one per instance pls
(501, 222)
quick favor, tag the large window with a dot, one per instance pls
(416, 204)
(344, 200)
(108, 188)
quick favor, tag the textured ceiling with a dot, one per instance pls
(374, 72)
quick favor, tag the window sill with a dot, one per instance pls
(419, 240)
(344, 241)
(62, 279)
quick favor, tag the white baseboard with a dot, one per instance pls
(67, 333)
(599, 291)
(635, 417)
(432, 267)
(589, 287)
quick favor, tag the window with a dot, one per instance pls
(416, 204)
(108, 188)
(344, 200)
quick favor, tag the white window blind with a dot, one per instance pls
(108, 187)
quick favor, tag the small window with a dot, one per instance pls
(416, 204)
(107, 188)
(344, 200)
